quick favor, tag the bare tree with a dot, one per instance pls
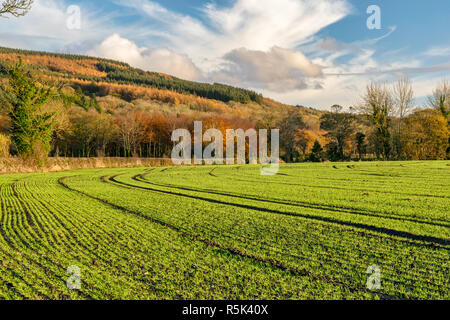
(377, 99)
(440, 99)
(403, 97)
(377, 105)
(403, 103)
(130, 132)
(16, 8)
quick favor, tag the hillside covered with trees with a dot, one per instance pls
(78, 106)
(69, 67)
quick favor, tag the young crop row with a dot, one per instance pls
(423, 196)
(337, 253)
(346, 211)
(45, 228)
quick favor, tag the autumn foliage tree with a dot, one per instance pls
(426, 136)
(4, 145)
(305, 139)
(289, 126)
(101, 107)
(340, 128)
(129, 132)
(440, 101)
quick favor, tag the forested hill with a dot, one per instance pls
(98, 105)
(101, 107)
(92, 69)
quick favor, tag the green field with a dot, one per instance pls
(310, 232)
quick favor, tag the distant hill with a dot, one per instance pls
(104, 70)
(117, 84)
(96, 98)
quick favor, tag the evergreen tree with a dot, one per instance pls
(378, 106)
(94, 103)
(316, 153)
(31, 130)
(361, 144)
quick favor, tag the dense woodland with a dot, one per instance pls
(103, 70)
(76, 106)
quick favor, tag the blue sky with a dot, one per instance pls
(315, 53)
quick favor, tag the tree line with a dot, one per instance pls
(43, 120)
(75, 57)
(396, 128)
(385, 125)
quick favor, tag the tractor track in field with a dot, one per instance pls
(211, 173)
(336, 188)
(432, 241)
(233, 251)
(294, 204)
(362, 233)
(87, 252)
(72, 235)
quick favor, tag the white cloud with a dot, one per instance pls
(166, 61)
(251, 24)
(17, 31)
(269, 46)
(278, 69)
(252, 43)
(116, 47)
(371, 42)
(438, 52)
(284, 23)
(45, 27)
(158, 60)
